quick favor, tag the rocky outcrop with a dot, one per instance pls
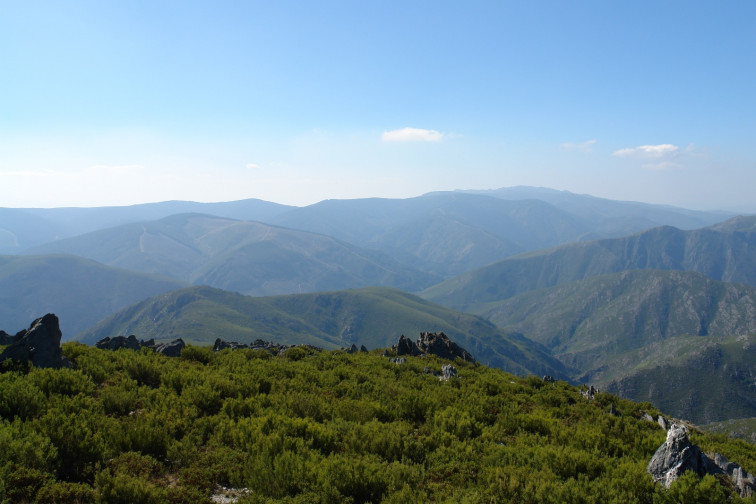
(169, 349)
(40, 344)
(678, 455)
(117, 342)
(432, 343)
(406, 346)
(741, 479)
(447, 371)
(258, 344)
(222, 345)
(353, 349)
(5, 338)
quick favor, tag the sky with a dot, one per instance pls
(122, 102)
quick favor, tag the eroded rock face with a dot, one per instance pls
(40, 344)
(678, 455)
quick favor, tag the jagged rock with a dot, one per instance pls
(5, 338)
(447, 371)
(40, 344)
(662, 422)
(440, 344)
(432, 343)
(352, 349)
(589, 392)
(363, 349)
(647, 417)
(405, 346)
(549, 379)
(117, 342)
(222, 344)
(397, 360)
(741, 479)
(613, 411)
(678, 455)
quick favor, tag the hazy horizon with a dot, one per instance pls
(121, 104)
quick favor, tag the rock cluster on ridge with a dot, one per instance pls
(432, 343)
(678, 455)
(40, 344)
(169, 349)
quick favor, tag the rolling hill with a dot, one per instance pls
(244, 256)
(722, 252)
(79, 291)
(374, 317)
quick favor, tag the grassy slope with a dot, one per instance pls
(374, 317)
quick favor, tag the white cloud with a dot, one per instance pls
(586, 146)
(648, 151)
(412, 135)
(253, 166)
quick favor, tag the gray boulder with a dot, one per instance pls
(678, 455)
(447, 371)
(170, 349)
(40, 344)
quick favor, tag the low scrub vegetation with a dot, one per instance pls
(321, 426)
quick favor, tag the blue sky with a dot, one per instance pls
(113, 103)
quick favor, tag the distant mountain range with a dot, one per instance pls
(637, 298)
(242, 256)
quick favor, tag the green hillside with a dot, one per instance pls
(374, 317)
(707, 381)
(723, 252)
(80, 291)
(742, 428)
(248, 257)
(589, 323)
(320, 426)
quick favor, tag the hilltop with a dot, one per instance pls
(313, 425)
